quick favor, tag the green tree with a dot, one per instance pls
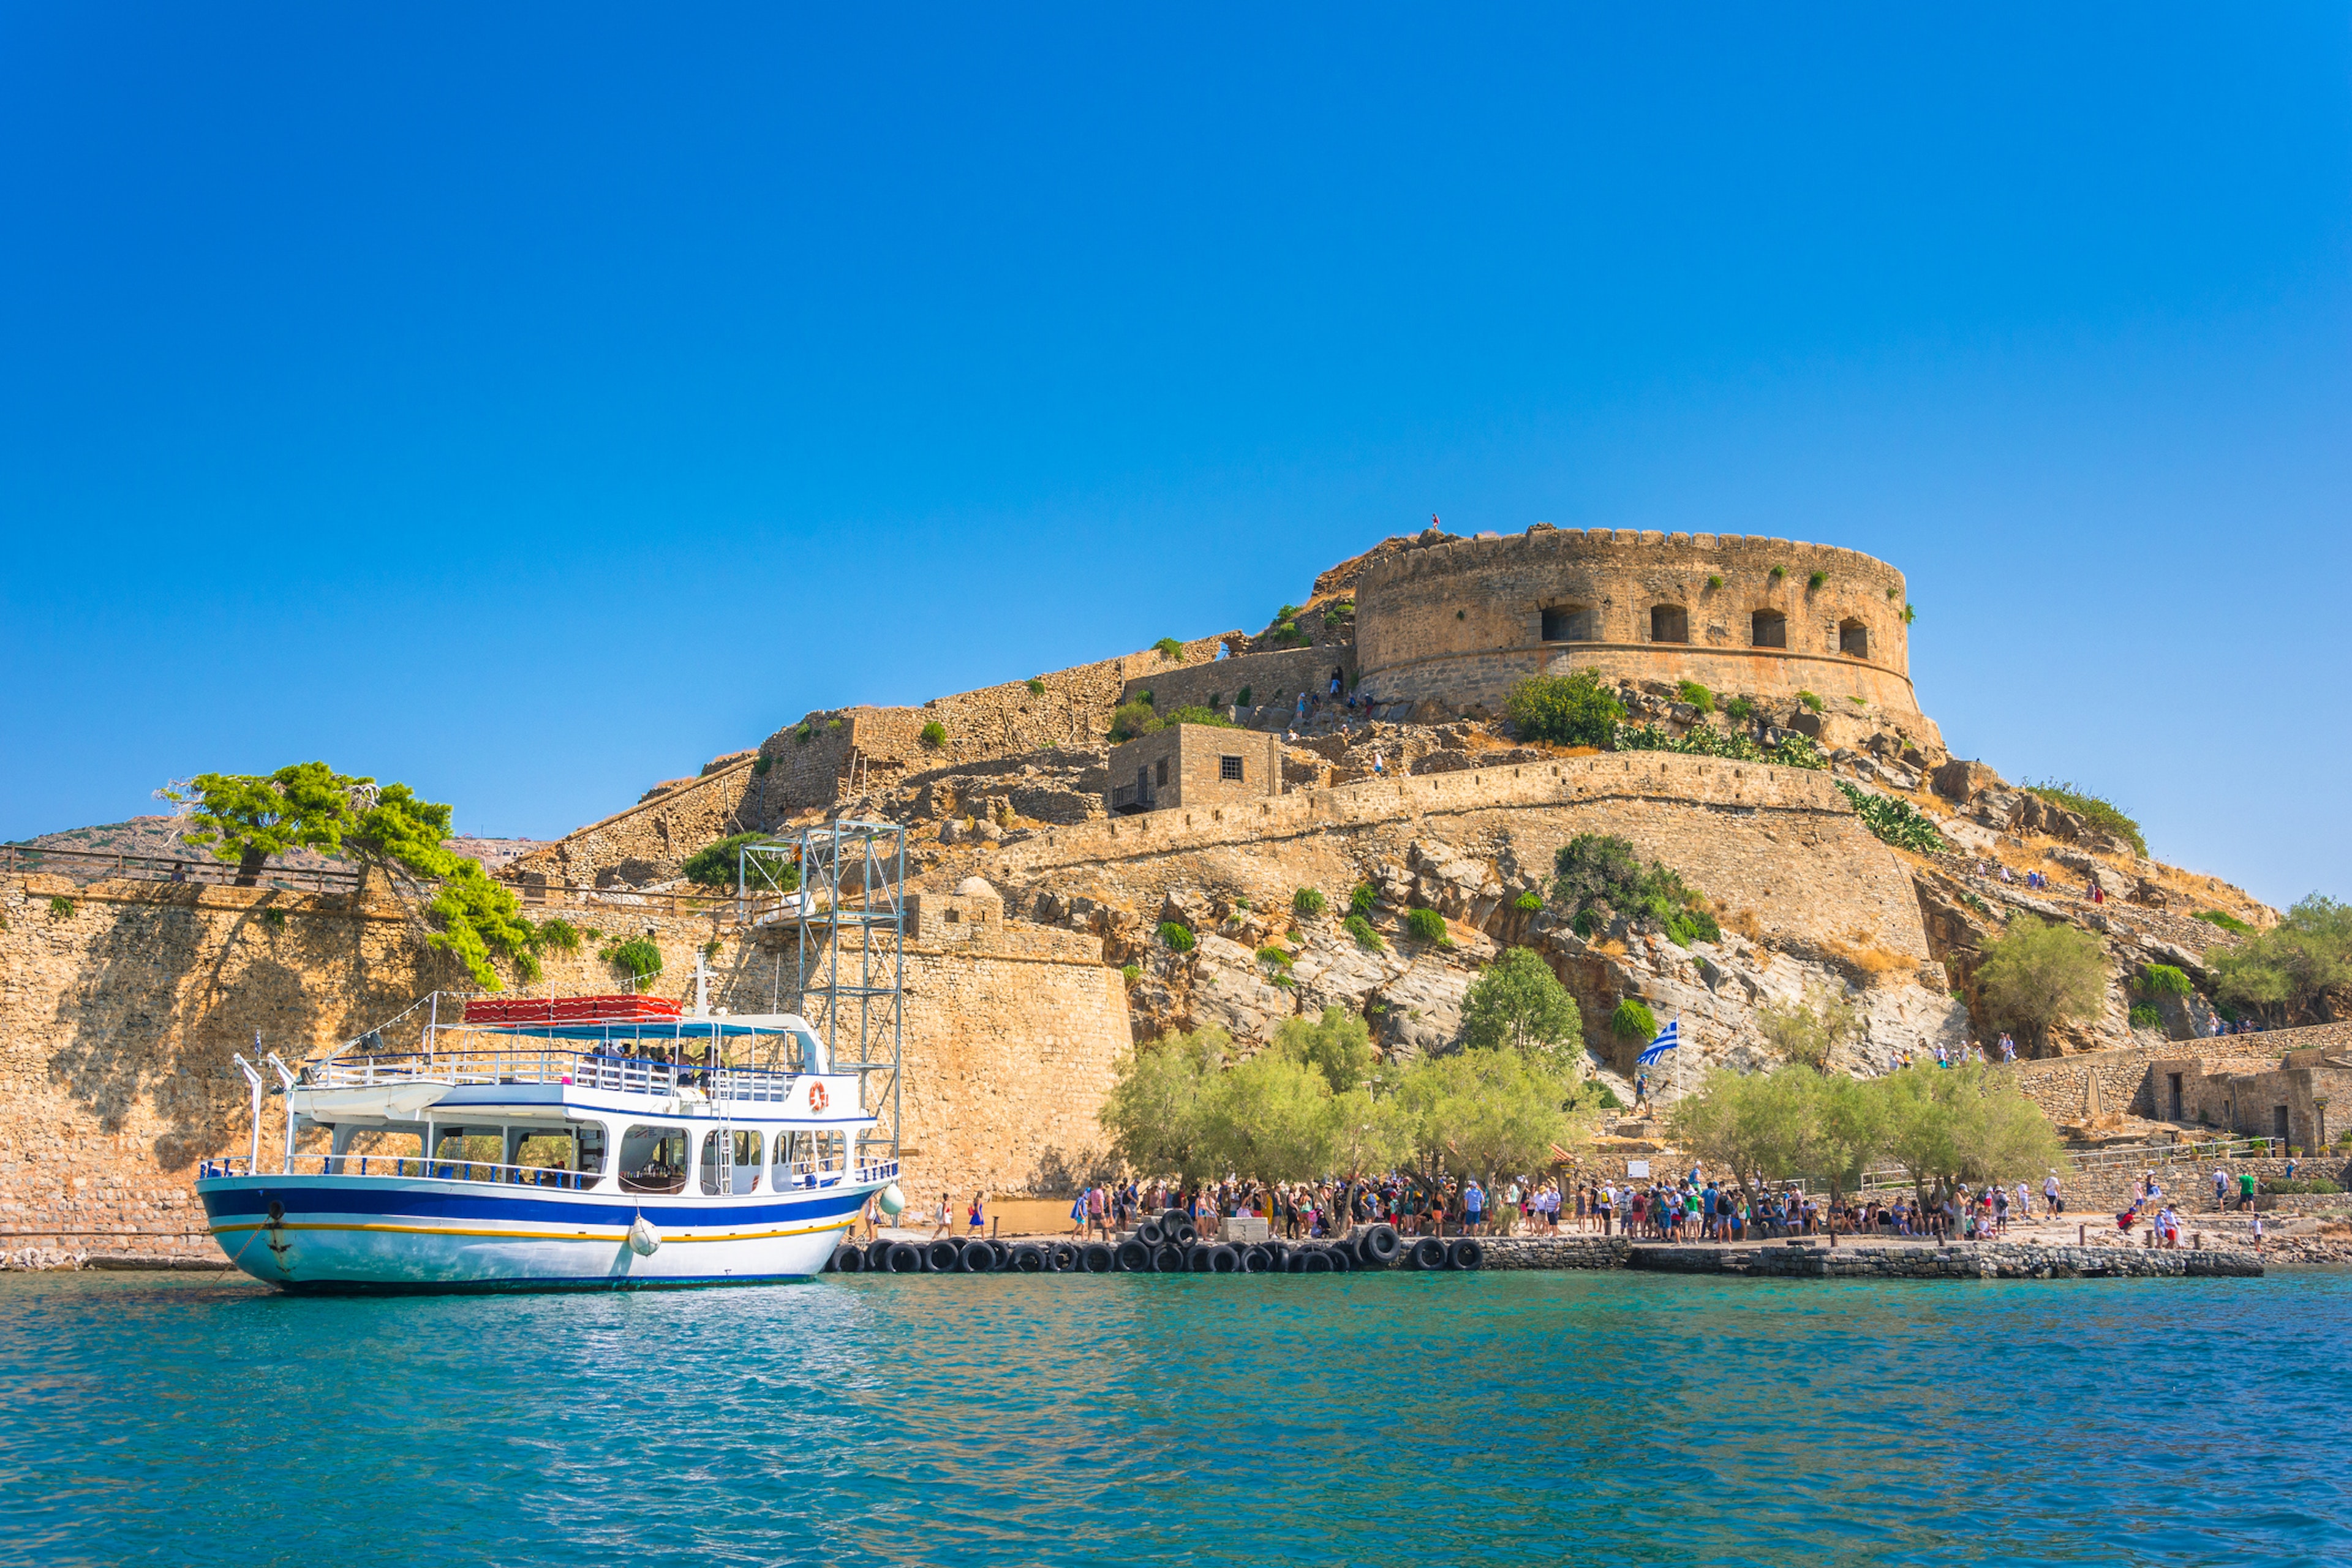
(1633, 1020)
(1967, 1122)
(2034, 976)
(1485, 1113)
(388, 828)
(1154, 1116)
(1520, 1003)
(1565, 709)
(1754, 1124)
(2282, 972)
(1809, 1032)
(1337, 1046)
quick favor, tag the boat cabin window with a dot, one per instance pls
(739, 1150)
(652, 1160)
(802, 1157)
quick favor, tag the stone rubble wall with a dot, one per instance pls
(2057, 1084)
(1274, 680)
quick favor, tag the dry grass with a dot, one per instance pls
(1745, 922)
(1610, 945)
(1861, 951)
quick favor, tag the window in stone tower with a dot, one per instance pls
(1853, 638)
(1570, 623)
(1669, 622)
(1768, 629)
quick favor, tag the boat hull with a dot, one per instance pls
(418, 1234)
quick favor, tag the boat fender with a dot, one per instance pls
(891, 1201)
(643, 1237)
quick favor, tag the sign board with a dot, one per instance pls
(1637, 1167)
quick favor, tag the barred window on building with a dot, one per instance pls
(1230, 768)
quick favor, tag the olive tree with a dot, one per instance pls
(2034, 976)
(1520, 1003)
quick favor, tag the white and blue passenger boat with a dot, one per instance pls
(587, 1143)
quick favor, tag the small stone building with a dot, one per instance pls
(2289, 1101)
(1193, 764)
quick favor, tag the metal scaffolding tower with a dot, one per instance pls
(851, 917)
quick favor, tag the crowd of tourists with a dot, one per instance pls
(1692, 1207)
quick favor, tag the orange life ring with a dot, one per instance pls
(816, 1097)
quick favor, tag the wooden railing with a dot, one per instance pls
(90, 865)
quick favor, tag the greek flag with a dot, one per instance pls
(1668, 1038)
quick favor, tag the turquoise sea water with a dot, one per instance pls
(1495, 1418)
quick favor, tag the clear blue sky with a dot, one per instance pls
(533, 403)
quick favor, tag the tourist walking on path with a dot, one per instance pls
(2053, 1203)
(2246, 1191)
(946, 1226)
(975, 1214)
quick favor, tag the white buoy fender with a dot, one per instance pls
(643, 1237)
(891, 1201)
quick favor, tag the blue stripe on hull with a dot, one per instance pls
(414, 1198)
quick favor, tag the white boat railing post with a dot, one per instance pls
(253, 1081)
(286, 1082)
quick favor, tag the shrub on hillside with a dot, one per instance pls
(1633, 1020)
(1307, 901)
(935, 734)
(1170, 648)
(1809, 701)
(1036, 686)
(1427, 925)
(2227, 923)
(1598, 877)
(2144, 1015)
(1897, 821)
(1178, 937)
(640, 957)
(1740, 708)
(558, 935)
(1565, 709)
(1697, 696)
(715, 866)
(2034, 976)
(2101, 813)
(1196, 714)
(1130, 720)
(1361, 898)
(2164, 980)
(1361, 930)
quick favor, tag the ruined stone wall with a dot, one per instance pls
(1271, 678)
(118, 1017)
(1463, 622)
(2058, 1084)
(1779, 843)
(647, 842)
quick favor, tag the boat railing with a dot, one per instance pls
(551, 1065)
(414, 1166)
(798, 1176)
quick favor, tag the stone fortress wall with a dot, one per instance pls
(1779, 843)
(1463, 621)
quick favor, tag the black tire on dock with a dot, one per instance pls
(1224, 1258)
(847, 1260)
(1169, 1259)
(1344, 1246)
(1277, 1257)
(1343, 1260)
(1185, 1234)
(1379, 1245)
(877, 1256)
(1466, 1253)
(977, 1258)
(998, 1252)
(1028, 1257)
(1196, 1258)
(1096, 1257)
(906, 1257)
(1169, 1220)
(943, 1256)
(1429, 1252)
(1314, 1261)
(1256, 1260)
(1149, 1233)
(1133, 1257)
(1062, 1256)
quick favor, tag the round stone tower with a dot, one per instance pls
(1466, 620)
